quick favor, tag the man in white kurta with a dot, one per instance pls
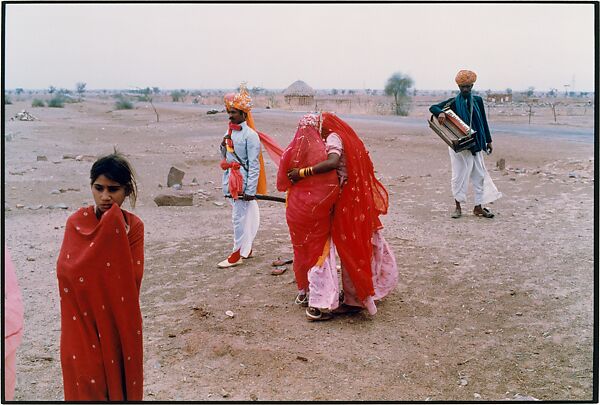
(468, 165)
(240, 151)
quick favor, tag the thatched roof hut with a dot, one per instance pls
(299, 93)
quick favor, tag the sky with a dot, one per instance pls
(351, 46)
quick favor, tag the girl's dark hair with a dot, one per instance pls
(117, 168)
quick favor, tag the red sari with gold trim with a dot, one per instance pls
(99, 271)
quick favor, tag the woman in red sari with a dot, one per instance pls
(309, 204)
(369, 270)
(99, 271)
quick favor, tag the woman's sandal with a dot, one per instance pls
(301, 299)
(315, 314)
(278, 271)
(486, 213)
(281, 262)
(347, 309)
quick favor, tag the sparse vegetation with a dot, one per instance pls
(123, 104)
(38, 103)
(7, 99)
(146, 95)
(57, 101)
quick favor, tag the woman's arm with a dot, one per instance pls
(331, 163)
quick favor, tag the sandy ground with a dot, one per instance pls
(485, 309)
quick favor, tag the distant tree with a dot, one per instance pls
(530, 91)
(334, 92)
(397, 86)
(80, 86)
(51, 89)
(178, 95)
(553, 105)
(148, 97)
(19, 90)
(63, 91)
(155, 90)
(530, 112)
(508, 90)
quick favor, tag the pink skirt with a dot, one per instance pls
(324, 285)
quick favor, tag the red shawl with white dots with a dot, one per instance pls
(99, 271)
(356, 217)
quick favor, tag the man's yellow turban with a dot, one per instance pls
(240, 101)
(465, 77)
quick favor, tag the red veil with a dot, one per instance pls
(310, 201)
(356, 217)
(100, 269)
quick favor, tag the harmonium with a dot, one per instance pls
(453, 131)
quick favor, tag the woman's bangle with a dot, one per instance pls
(305, 172)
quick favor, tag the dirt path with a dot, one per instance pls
(485, 309)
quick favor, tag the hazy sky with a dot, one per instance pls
(272, 45)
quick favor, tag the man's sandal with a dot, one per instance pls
(456, 214)
(301, 299)
(486, 213)
(281, 262)
(315, 314)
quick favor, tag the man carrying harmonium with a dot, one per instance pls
(468, 164)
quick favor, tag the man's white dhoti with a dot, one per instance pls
(467, 166)
(245, 216)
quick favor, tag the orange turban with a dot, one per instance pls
(465, 77)
(240, 101)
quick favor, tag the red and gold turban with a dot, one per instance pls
(240, 101)
(465, 77)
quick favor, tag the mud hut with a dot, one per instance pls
(299, 93)
(499, 98)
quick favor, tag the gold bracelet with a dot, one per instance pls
(310, 169)
(301, 173)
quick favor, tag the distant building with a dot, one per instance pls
(299, 93)
(499, 98)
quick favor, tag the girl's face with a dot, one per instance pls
(106, 192)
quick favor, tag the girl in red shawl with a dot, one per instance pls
(369, 270)
(99, 271)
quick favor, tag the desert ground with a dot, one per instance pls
(492, 310)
